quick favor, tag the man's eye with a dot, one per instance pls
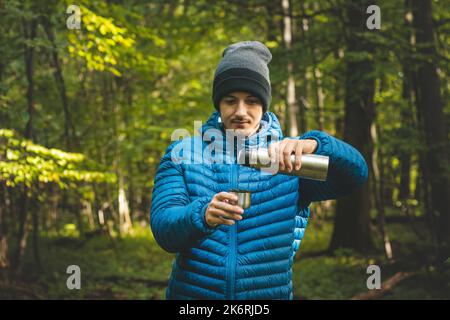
(229, 101)
(253, 101)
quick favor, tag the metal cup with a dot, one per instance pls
(244, 197)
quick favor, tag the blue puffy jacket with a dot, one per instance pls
(253, 258)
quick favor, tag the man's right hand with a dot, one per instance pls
(223, 209)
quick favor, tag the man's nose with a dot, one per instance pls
(241, 109)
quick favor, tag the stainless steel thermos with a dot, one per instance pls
(313, 166)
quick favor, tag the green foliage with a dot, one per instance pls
(105, 46)
(24, 162)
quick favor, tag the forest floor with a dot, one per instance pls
(135, 267)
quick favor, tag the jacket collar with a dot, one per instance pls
(269, 126)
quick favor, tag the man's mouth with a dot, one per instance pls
(240, 125)
(240, 122)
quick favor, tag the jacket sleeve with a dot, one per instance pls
(346, 172)
(176, 222)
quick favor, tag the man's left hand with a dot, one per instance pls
(282, 150)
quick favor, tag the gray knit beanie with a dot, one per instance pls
(243, 68)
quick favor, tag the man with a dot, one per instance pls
(223, 251)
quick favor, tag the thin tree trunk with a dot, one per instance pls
(124, 210)
(97, 207)
(291, 100)
(337, 98)
(22, 234)
(274, 28)
(87, 211)
(303, 93)
(79, 218)
(387, 180)
(317, 76)
(3, 117)
(405, 176)
(430, 104)
(30, 30)
(109, 121)
(131, 185)
(54, 223)
(418, 186)
(405, 114)
(2, 40)
(378, 193)
(4, 249)
(69, 130)
(35, 218)
(125, 223)
(319, 96)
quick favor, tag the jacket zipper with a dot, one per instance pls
(231, 276)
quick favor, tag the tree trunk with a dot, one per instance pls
(352, 219)
(303, 93)
(131, 185)
(124, 209)
(430, 104)
(405, 176)
(22, 233)
(377, 190)
(35, 218)
(4, 251)
(405, 114)
(337, 98)
(387, 179)
(87, 211)
(69, 130)
(30, 30)
(54, 199)
(29, 35)
(291, 100)
(79, 218)
(317, 75)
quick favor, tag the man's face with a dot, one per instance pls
(242, 112)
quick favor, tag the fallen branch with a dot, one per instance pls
(386, 286)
